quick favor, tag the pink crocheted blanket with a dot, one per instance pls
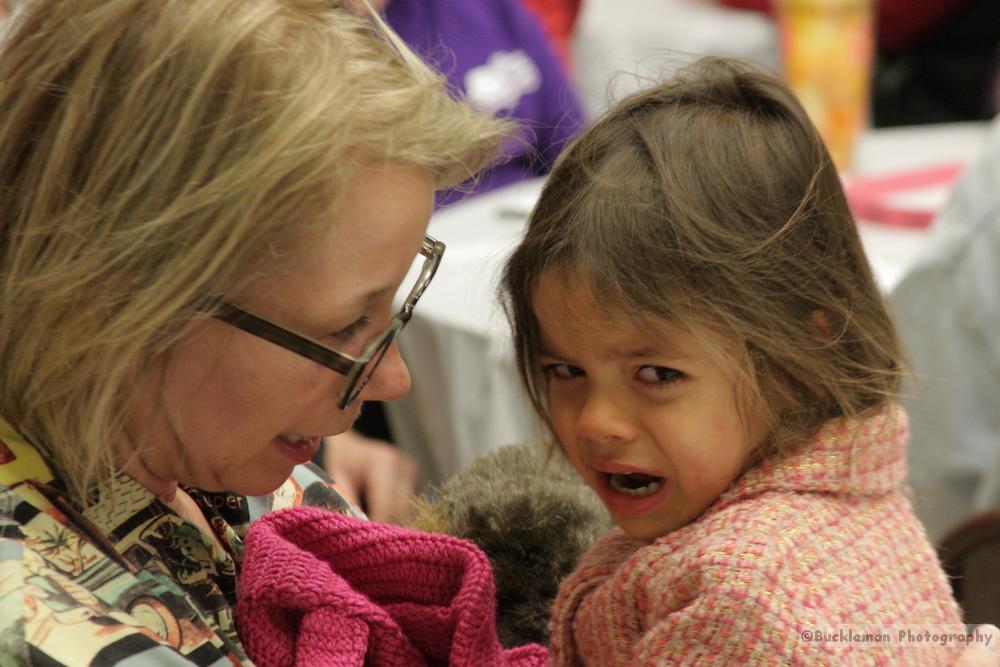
(318, 588)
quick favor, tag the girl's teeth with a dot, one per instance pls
(293, 437)
(622, 484)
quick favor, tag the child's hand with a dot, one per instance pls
(979, 656)
(376, 475)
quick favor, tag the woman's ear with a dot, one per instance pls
(820, 322)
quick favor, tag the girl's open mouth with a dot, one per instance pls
(634, 484)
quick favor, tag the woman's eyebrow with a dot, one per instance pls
(359, 304)
(365, 300)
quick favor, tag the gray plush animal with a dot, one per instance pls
(525, 507)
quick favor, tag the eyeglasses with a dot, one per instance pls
(358, 370)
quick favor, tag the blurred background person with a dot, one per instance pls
(948, 310)
(499, 57)
(558, 18)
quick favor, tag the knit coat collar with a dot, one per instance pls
(850, 457)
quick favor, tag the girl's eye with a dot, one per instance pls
(657, 375)
(351, 330)
(562, 371)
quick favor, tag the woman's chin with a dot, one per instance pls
(259, 484)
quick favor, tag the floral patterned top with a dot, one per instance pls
(126, 581)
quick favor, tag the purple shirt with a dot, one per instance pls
(496, 53)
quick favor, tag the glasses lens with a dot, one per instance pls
(432, 251)
(369, 369)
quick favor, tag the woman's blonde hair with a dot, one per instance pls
(157, 155)
(710, 200)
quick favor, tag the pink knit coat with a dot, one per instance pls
(319, 589)
(822, 537)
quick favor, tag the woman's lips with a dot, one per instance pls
(300, 451)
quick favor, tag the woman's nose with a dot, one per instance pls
(391, 379)
(605, 418)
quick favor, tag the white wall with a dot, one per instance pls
(619, 44)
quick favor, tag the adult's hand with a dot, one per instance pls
(979, 656)
(378, 476)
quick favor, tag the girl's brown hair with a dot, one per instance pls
(710, 200)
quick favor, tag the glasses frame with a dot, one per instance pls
(353, 368)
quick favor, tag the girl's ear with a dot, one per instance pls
(820, 323)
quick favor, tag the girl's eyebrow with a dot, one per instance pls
(544, 351)
(664, 349)
(545, 348)
(664, 352)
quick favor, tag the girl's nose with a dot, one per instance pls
(605, 418)
(391, 379)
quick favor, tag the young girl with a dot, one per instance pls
(697, 324)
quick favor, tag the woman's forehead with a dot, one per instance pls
(364, 250)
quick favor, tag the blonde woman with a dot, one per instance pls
(206, 207)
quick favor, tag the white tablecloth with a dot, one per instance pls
(466, 398)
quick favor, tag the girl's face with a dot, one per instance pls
(227, 410)
(646, 415)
